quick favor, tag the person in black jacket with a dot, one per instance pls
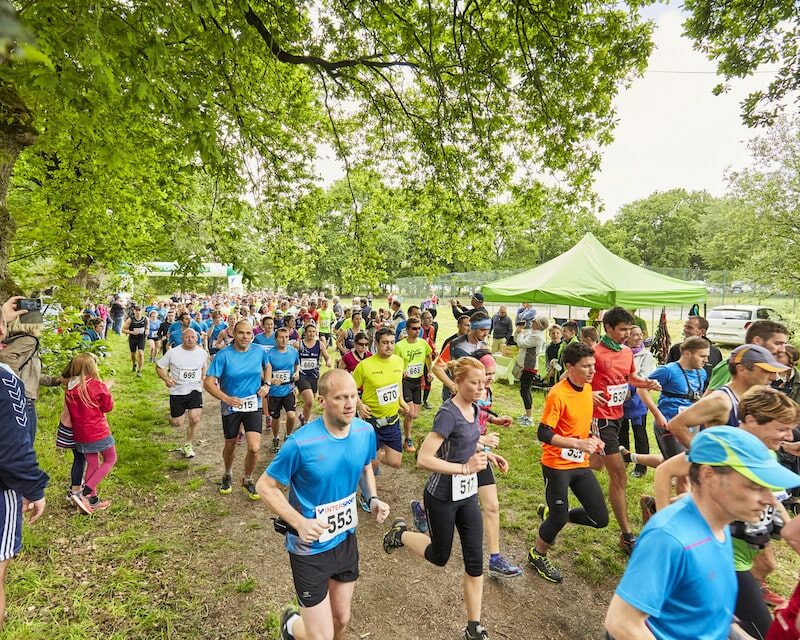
(22, 482)
(502, 329)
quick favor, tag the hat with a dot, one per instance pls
(478, 296)
(742, 452)
(757, 355)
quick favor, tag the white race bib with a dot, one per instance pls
(250, 403)
(341, 516)
(266, 347)
(414, 370)
(189, 375)
(617, 393)
(464, 486)
(283, 375)
(387, 394)
(573, 455)
(308, 364)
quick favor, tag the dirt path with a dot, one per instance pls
(397, 596)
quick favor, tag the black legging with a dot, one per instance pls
(752, 611)
(78, 465)
(592, 512)
(525, 381)
(444, 517)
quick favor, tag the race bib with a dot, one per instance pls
(266, 347)
(780, 496)
(283, 375)
(387, 394)
(308, 364)
(573, 455)
(250, 403)
(464, 486)
(189, 375)
(414, 370)
(341, 516)
(616, 394)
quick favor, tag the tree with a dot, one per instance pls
(141, 98)
(762, 225)
(662, 230)
(741, 35)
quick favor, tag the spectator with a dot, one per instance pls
(477, 305)
(530, 342)
(696, 326)
(501, 330)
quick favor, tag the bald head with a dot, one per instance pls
(189, 338)
(332, 380)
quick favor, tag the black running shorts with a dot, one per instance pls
(311, 573)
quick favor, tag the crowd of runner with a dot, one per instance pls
(726, 429)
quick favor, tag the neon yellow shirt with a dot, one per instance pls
(326, 319)
(381, 380)
(413, 356)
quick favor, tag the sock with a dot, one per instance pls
(248, 478)
(290, 624)
(229, 472)
(494, 557)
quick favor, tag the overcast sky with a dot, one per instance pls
(672, 131)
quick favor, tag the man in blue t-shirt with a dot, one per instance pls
(680, 582)
(184, 321)
(682, 384)
(321, 464)
(283, 370)
(236, 377)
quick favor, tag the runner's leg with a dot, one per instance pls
(593, 511)
(490, 506)
(253, 439)
(308, 404)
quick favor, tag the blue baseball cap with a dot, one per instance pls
(742, 452)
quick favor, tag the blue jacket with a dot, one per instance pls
(19, 469)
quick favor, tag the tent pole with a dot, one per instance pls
(652, 321)
(569, 313)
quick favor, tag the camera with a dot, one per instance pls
(29, 304)
(694, 396)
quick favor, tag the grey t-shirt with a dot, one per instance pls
(460, 442)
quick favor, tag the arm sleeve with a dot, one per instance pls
(545, 433)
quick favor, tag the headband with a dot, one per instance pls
(480, 324)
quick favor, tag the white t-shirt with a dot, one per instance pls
(186, 368)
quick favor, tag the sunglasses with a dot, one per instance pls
(413, 328)
(361, 344)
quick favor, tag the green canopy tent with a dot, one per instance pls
(589, 275)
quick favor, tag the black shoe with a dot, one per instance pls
(276, 445)
(393, 538)
(225, 486)
(626, 455)
(543, 567)
(425, 405)
(639, 471)
(627, 541)
(480, 633)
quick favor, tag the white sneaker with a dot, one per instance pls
(188, 452)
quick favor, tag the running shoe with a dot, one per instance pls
(543, 566)
(287, 614)
(276, 445)
(770, 597)
(626, 455)
(188, 451)
(648, 506)
(426, 405)
(502, 568)
(133, 369)
(479, 634)
(249, 488)
(302, 419)
(98, 504)
(639, 471)
(139, 373)
(393, 538)
(627, 542)
(82, 502)
(364, 504)
(420, 517)
(525, 421)
(225, 486)
(543, 511)
(408, 445)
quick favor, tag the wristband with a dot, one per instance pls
(371, 498)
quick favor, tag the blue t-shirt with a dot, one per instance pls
(399, 329)
(154, 325)
(682, 576)
(283, 364)
(238, 372)
(265, 343)
(215, 330)
(176, 328)
(320, 469)
(673, 380)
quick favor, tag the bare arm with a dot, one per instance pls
(659, 418)
(440, 371)
(624, 622)
(711, 410)
(324, 351)
(675, 467)
(427, 458)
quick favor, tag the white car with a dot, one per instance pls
(728, 324)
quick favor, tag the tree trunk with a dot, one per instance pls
(16, 133)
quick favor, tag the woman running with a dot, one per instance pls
(310, 350)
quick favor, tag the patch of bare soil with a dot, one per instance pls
(243, 571)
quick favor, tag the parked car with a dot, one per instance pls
(728, 324)
(741, 287)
